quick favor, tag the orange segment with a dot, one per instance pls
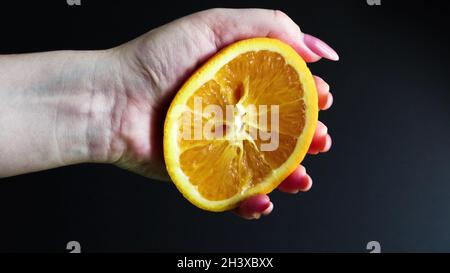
(241, 124)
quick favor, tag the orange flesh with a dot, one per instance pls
(222, 167)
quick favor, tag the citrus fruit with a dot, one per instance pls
(240, 124)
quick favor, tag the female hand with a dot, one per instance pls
(158, 63)
(67, 107)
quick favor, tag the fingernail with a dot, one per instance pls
(328, 144)
(329, 102)
(301, 169)
(321, 129)
(255, 216)
(320, 47)
(268, 210)
(307, 183)
(255, 205)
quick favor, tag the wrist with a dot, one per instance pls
(79, 98)
(59, 108)
(99, 108)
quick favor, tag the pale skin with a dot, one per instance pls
(107, 106)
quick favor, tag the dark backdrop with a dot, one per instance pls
(387, 177)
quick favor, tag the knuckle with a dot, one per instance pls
(282, 17)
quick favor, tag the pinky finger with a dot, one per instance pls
(254, 207)
(298, 181)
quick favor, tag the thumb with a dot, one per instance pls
(230, 25)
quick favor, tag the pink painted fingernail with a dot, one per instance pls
(329, 102)
(320, 47)
(255, 216)
(307, 183)
(268, 210)
(328, 144)
(254, 206)
(321, 129)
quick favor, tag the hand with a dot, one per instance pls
(108, 106)
(156, 64)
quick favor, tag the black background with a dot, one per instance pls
(386, 178)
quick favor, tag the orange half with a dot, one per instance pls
(217, 148)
